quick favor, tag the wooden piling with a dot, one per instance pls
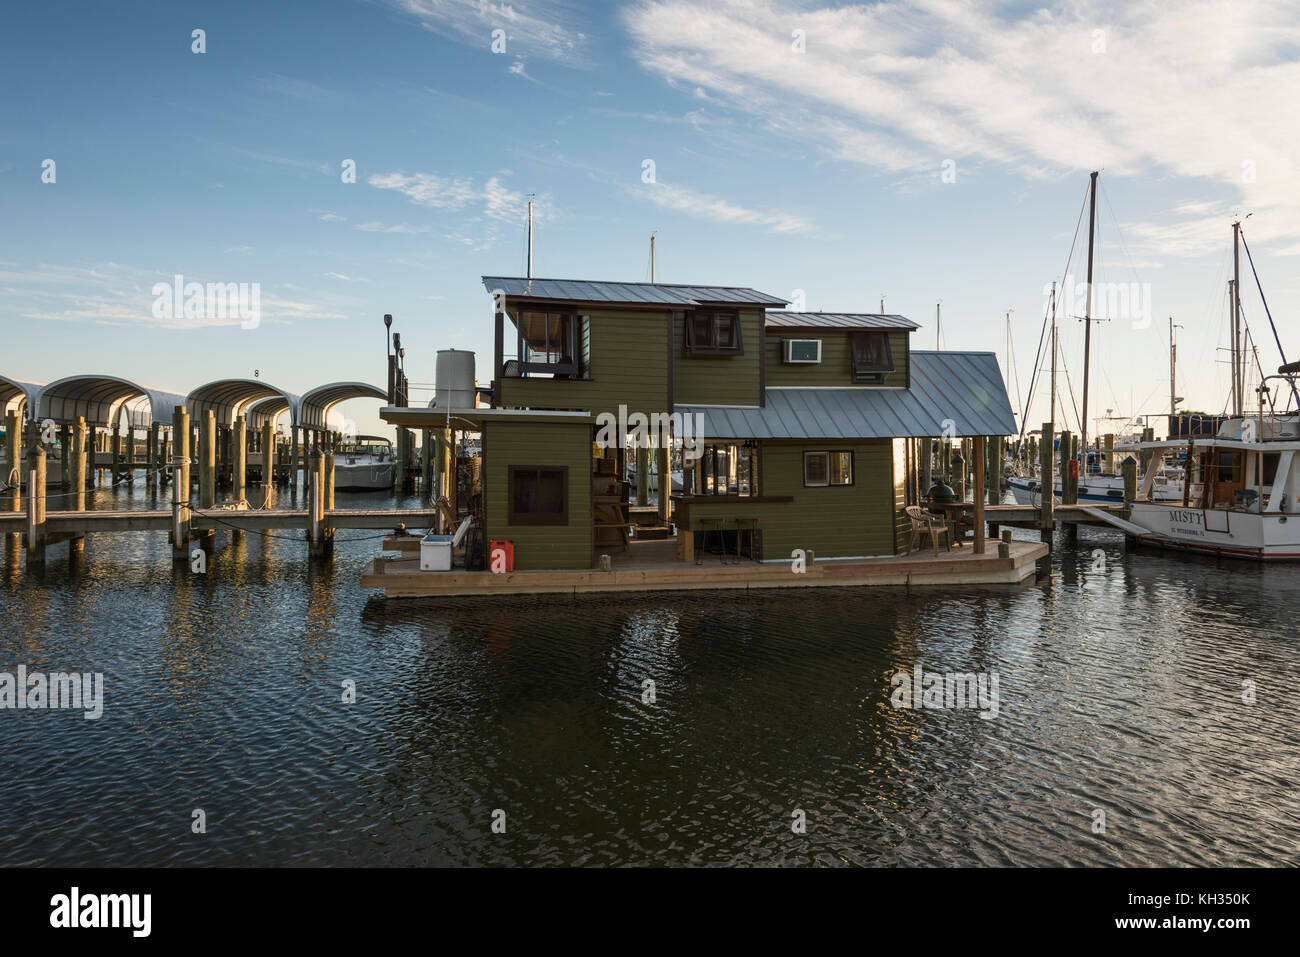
(239, 458)
(181, 484)
(208, 461)
(77, 435)
(1108, 456)
(268, 453)
(980, 453)
(426, 466)
(1129, 469)
(642, 472)
(663, 464)
(13, 462)
(1046, 485)
(36, 538)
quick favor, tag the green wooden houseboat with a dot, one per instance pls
(790, 430)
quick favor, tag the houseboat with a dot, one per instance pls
(798, 433)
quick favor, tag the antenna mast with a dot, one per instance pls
(530, 238)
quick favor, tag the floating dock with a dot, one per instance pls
(654, 566)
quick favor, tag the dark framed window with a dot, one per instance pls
(549, 342)
(821, 469)
(727, 469)
(714, 332)
(873, 359)
(539, 494)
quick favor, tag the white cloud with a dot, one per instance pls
(717, 209)
(332, 218)
(378, 227)
(545, 28)
(1181, 91)
(344, 277)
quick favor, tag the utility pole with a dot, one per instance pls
(1087, 319)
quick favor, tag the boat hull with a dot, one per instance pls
(1230, 532)
(364, 478)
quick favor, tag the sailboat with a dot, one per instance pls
(1240, 494)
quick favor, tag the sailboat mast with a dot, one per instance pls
(1051, 414)
(1237, 364)
(1087, 319)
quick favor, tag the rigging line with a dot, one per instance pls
(1074, 402)
(1050, 312)
(1267, 312)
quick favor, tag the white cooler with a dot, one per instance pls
(435, 550)
(435, 553)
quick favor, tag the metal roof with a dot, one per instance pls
(98, 398)
(839, 320)
(228, 398)
(965, 387)
(17, 392)
(645, 293)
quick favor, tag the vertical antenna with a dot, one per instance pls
(938, 323)
(652, 257)
(530, 237)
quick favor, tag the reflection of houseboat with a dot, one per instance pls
(797, 430)
(365, 465)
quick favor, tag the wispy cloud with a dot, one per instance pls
(543, 28)
(715, 208)
(378, 227)
(486, 207)
(900, 87)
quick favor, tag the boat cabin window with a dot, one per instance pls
(1267, 467)
(539, 495)
(548, 343)
(1229, 468)
(714, 332)
(827, 468)
(872, 357)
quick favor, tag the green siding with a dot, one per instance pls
(836, 522)
(718, 380)
(836, 368)
(628, 351)
(539, 443)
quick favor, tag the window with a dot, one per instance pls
(727, 470)
(539, 495)
(872, 357)
(827, 468)
(713, 332)
(548, 343)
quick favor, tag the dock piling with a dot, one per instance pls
(36, 538)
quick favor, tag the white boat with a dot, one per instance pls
(1242, 497)
(1097, 488)
(366, 465)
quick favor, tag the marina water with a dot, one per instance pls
(1120, 678)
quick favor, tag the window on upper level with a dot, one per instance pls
(872, 357)
(714, 332)
(549, 343)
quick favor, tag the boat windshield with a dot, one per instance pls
(358, 448)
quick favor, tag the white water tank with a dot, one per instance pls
(454, 383)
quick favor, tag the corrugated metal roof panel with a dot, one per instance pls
(585, 290)
(965, 387)
(838, 320)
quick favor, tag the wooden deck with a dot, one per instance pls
(653, 566)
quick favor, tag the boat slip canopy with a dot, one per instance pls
(964, 389)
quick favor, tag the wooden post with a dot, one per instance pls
(1066, 456)
(927, 465)
(208, 461)
(239, 458)
(1129, 469)
(1108, 457)
(268, 455)
(316, 505)
(181, 484)
(1046, 485)
(993, 464)
(328, 499)
(642, 472)
(65, 449)
(1148, 435)
(36, 505)
(426, 466)
(295, 457)
(980, 454)
(151, 457)
(77, 434)
(13, 461)
(663, 460)
(453, 475)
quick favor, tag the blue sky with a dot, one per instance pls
(818, 170)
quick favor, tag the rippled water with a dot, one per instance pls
(1121, 690)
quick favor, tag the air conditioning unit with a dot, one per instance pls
(801, 351)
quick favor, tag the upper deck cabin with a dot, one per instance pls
(581, 345)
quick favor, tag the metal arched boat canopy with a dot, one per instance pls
(316, 403)
(18, 395)
(228, 398)
(98, 398)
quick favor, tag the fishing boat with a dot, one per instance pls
(1097, 488)
(365, 465)
(1241, 487)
